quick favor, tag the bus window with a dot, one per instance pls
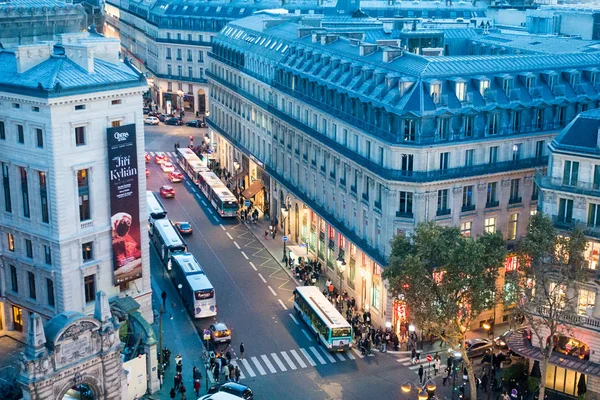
(340, 332)
(204, 294)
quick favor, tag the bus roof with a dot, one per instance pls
(218, 186)
(154, 206)
(199, 282)
(189, 264)
(322, 306)
(168, 233)
(185, 151)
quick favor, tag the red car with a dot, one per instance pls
(147, 172)
(147, 157)
(160, 158)
(175, 177)
(167, 191)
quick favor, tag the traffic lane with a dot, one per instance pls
(229, 269)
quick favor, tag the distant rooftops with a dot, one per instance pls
(538, 44)
(78, 63)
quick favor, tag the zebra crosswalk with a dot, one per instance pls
(170, 154)
(290, 360)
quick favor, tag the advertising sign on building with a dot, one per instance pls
(124, 203)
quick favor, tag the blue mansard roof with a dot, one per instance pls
(581, 135)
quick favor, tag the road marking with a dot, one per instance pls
(216, 218)
(259, 367)
(245, 256)
(203, 202)
(229, 236)
(307, 335)
(282, 304)
(288, 360)
(235, 364)
(404, 359)
(222, 227)
(210, 211)
(268, 363)
(294, 318)
(278, 362)
(350, 356)
(316, 353)
(248, 368)
(237, 245)
(272, 291)
(310, 360)
(358, 353)
(193, 189)
(252, 265)
(262, 277)
(340, 356)
(329, 356)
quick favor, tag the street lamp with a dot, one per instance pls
(424, 392)
(284, 212)
(341, 264)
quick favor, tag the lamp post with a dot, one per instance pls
(424, 391)
(341, 264)
(284, 212)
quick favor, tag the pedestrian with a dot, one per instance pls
(413, 356)
(231, 373)
(226, 373)
(216, 373)
(228, 357)
(274, 233)
(176, 381)
(179, 366)
(237, 374)
(182, 390)
(484, 381)
(197, 387)
(172, 393)
(242, 349)
(266, 234)
(436, 365)
(445, 376)
(421, 373)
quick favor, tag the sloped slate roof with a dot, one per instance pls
(582, 132)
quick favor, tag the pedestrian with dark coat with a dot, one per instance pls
(242, 349)
(421, 373)
(172, 393)
(413, 355)
(182, 390)
(176, 381)
(237, 374)
(197, 387)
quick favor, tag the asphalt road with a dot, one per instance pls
(254, 298)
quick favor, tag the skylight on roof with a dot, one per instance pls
(278, 47)
(175, 8)
(206, 9)
(218, 9)
(284, 49)
(268, 43)
(262, 41)
(242, 10)
(273, 45)
(185, 8)
(195, 9)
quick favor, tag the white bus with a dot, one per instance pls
(156, 210)
(191, 163)
(323, 318)
(166, 240)
(196, 290)
(217, 193)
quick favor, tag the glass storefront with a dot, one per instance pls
(563, 380)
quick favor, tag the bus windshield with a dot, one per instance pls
(340, 332)
(205, 294)
(230, 205)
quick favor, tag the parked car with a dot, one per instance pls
(236, 389)
(175, 177)
(173, 121)
(167, 166)
(184, 228)
(162, 117)
(219, 333)
(167, 191)
(195, 123)
(151, 121)
(145, 110)
(475, 348)
(153, 114)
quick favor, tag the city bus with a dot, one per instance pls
(218, 195)
(331, 329)
(191, 163)
(196, 290)
(156, 210)
(166, 240)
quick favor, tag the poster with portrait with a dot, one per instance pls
(124, 203)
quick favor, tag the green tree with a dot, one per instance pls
(545, 287)
(446, 280)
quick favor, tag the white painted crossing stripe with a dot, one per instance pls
(307, 335)
(151, 154)
(259, 367)
(262, 277)
(350, 356)
(245, 256)
(340, 356)
(294, 318)
(268, 364)
(229, 236)
(282, 304)
(278, 362)
(235, 364)
(252, 265)
(357, 353)
(316, 353)
(272, 291)
(248, 368)
(310, 360)
(404, 359)
(329, 356)
(237, 245)
(299, 359)
(222, 227)
(288, 360)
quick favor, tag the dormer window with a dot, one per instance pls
(594, 77)
(530, 82)
(435, 90)
(484, 86)
(461, 90)
(574, 79)
(507, 85)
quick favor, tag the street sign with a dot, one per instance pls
(303, 245)
(285, 239)
(429, 358)
(206, 334)
(513, 393)
(247, 203)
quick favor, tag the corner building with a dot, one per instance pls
(361, 140)
(56, 102)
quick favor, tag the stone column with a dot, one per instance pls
(150, 349)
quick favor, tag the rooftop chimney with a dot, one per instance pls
(368, 48)
(390, 54)
(328, 39)
(28, 56)
(82, 55)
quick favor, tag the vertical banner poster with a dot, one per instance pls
(124, 203)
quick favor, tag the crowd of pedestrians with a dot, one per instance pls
(221, 367)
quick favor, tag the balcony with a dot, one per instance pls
(402, 214)
(515, 200)
(578, 187)
(492, 204)
(442, 211)
(468, 208)
(565, 224)
(87, 224)
(572, 318)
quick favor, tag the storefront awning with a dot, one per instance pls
(254, 188)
